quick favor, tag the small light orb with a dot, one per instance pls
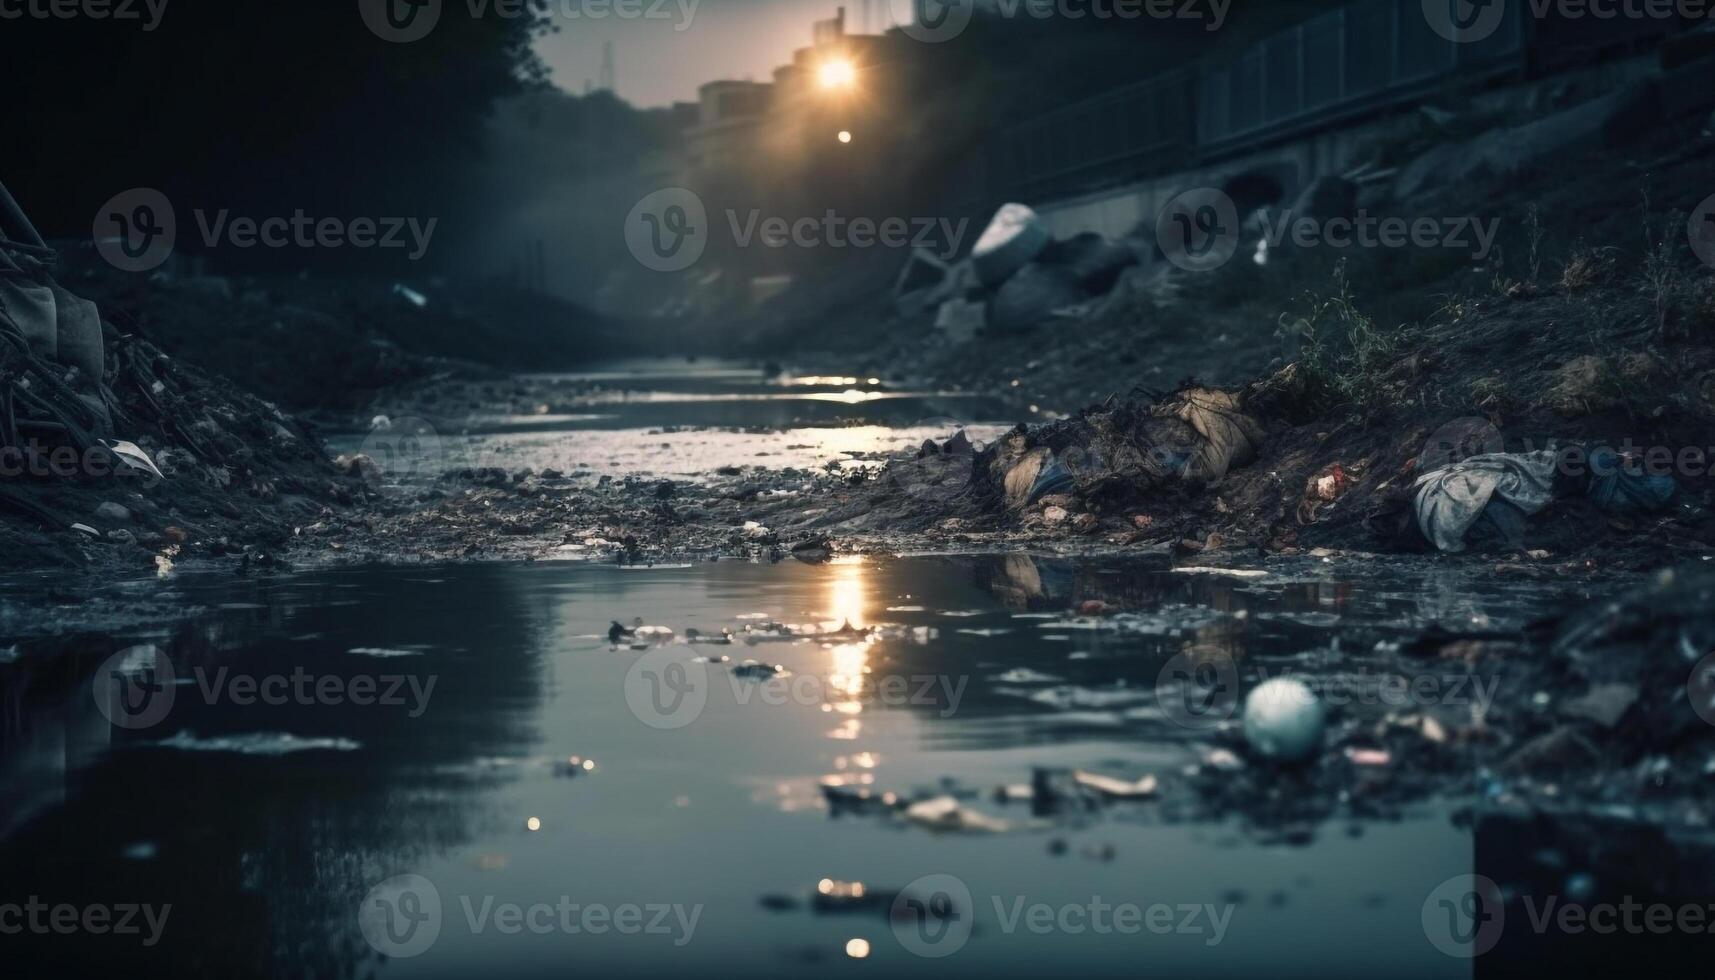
(858, 948)
(845, 136)
(534, 823)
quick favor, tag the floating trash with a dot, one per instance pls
(1284, 720)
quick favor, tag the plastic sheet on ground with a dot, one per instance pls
(1452, 499)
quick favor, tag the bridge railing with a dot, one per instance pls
(1365, 54)
(1125, 133)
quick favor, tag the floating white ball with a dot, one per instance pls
(1283, 720)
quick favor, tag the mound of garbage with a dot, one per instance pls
(113, 454)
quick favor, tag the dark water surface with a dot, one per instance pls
(452, 772)
(266, 826)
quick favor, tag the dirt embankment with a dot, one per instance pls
(1590, 322)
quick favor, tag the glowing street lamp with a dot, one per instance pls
(836, 74)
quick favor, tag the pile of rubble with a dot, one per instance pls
(1017, 276)
(114, 454)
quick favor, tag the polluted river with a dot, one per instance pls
(910, 762)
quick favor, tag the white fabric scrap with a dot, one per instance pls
(1449, 500)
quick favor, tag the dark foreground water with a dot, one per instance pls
(454, 773)
(523, 798)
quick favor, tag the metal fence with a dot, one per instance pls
(1366, 54)
(1126, 133)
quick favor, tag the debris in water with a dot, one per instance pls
(1118, 789)
(944, 813)
(753, 670)
(1284, 720)
(256, 743)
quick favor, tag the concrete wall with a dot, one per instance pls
(1297, 162)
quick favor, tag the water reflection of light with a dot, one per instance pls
(846, 731)
(851, 662)
(845, 596)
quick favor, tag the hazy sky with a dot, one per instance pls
(663, 58)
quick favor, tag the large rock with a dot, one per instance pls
(1014, 236)
(1096, 262)
(1030, 295)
